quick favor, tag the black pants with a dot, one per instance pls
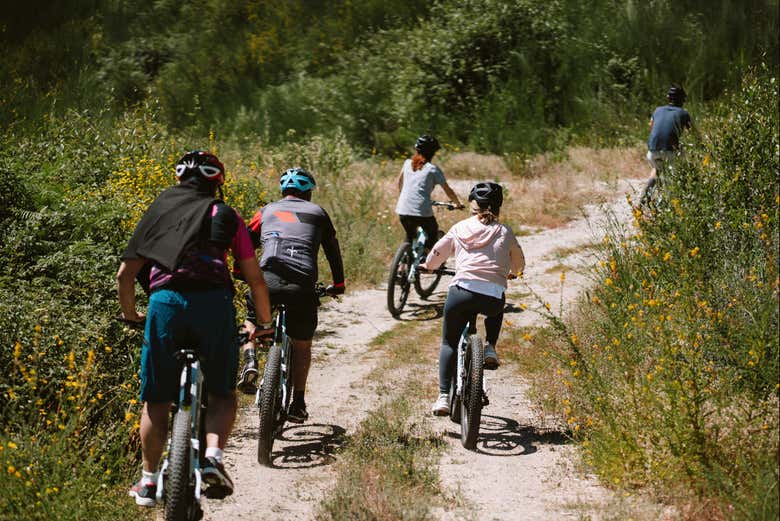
(461, 306)
(429, 225)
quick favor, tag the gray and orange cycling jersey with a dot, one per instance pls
(291, 232)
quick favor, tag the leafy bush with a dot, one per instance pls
(672, 369)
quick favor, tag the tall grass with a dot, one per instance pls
(671, 367)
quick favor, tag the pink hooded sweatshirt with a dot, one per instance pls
(483, 252)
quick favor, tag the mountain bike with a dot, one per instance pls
(180, 483)
(275, 392)
(468, 389)
(404, 273)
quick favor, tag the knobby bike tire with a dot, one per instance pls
(471, 399)
(425, 284)
(178, 488)
(398, 285)
(269, 404)
(454, 399)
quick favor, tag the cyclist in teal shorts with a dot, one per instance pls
(178, 253)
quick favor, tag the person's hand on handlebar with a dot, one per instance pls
(135, 322)
(335, 289)
(260, 333)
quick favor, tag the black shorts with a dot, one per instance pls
(301, 303)
(429, 224)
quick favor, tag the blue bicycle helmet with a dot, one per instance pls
(297, 179)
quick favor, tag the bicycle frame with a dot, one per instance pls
(190, 398)
(418, 253)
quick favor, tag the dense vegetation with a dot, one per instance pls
(671, 370)
(99, 98)
(492, 74)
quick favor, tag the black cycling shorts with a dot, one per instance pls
(301, 303)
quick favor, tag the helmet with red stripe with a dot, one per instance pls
(202, 163)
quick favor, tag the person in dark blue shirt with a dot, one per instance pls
(666, 125)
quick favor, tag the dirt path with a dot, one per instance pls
(522, 467)
(520, 471)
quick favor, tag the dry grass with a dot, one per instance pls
(547, 191)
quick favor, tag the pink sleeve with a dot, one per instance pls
(242, 244)
(440, 252)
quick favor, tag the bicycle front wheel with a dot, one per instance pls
(471, 397)
(425, 283)
(398, 282)
(179, 498)
(270, 406)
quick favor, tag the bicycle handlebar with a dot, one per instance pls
(132, 324)
(448, 206)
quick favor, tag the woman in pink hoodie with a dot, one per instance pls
(486, 253)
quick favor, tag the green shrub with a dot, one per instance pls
(673, 368)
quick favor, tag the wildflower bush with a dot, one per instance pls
(671, 369)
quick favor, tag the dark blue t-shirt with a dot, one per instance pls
(668, 123)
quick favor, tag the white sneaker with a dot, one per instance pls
(442, 406)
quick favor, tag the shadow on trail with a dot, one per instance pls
(500, 436)
(306, 446)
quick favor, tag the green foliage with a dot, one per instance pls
(498, 75)
(675, 368)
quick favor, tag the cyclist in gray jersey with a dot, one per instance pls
(416, 181)
(291, 232)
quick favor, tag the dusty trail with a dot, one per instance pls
(522, 467)
(520, 470)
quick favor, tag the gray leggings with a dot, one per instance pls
(461, 306)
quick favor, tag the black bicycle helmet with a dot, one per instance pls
(676, 95)
(202, 163)
(427, 145)
(487, 195)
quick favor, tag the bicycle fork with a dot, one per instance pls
(462, 367)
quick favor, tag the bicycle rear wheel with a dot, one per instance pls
(398, 283)
(454, 400)
(471, 397)
(179, 500)
(269, 404)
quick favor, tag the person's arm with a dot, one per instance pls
(330, 246)
(440, 252)
(400, 181)
(451, 194)
(257, 286)
(125, 277)
(516, 258)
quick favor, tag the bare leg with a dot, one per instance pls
(220, 416)
(301, 363)
(154, 429)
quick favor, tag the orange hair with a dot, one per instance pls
(418, 161)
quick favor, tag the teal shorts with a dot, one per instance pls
(200, 320)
